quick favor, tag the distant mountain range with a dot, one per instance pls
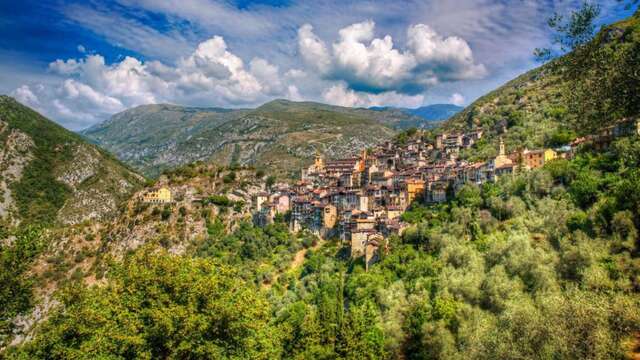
(423, 117)
(280, 135)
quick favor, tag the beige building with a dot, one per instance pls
(158, 196)
(329, 217)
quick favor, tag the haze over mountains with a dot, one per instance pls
(429, 113)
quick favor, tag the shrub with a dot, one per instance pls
(166, 213)
(229, 178)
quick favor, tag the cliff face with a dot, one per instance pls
(49, 175)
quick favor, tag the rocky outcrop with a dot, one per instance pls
(15, 154)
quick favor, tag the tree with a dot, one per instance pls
(361, 335)
(156, 305)
(271, 180)
(572, 31)
(600, 72)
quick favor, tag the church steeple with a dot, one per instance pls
(502, 150)
(319, 162)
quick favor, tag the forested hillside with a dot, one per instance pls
(571, 96)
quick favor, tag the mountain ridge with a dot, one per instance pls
(279, 135)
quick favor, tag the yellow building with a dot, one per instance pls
(549, 155)
(533, 159)
(318, 165)
(363, 161)
(415, 188)
(159, 196)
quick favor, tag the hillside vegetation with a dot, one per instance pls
(571, 96)
(49, 175)
(541, 265)
(280, 136)
(49, 179)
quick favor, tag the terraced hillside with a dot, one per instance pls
(280, 135)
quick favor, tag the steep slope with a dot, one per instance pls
(529, 111)
(281, 135)
(570, 96)
(50, 175)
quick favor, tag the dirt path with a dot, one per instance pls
(298, 260)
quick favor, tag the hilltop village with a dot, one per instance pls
(360, 200)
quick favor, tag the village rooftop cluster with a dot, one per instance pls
(360, 200)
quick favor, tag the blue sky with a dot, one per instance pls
(79, 62)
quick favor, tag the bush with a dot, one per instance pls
(166, 213)
(219, 200)
(229, 178)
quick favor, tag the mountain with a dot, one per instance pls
(51, 175)
(435, 112)
(280, 135)
(568, 97)
(422, 117)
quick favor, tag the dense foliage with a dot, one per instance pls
(15, 288)
(544, 264)
(259, 253)
(159, 306)
(603, 78)
(541, 265)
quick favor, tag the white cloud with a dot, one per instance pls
(293, 93)
(62, 67)
(340, 95)
(448, 58)
(91, 90)
(457, 99)
(374, 65)
(81, 49)
(80, 93)
(312, 49)
(295, 74)
(129, 33)
(26, 96)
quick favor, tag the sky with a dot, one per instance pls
(79, 62)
